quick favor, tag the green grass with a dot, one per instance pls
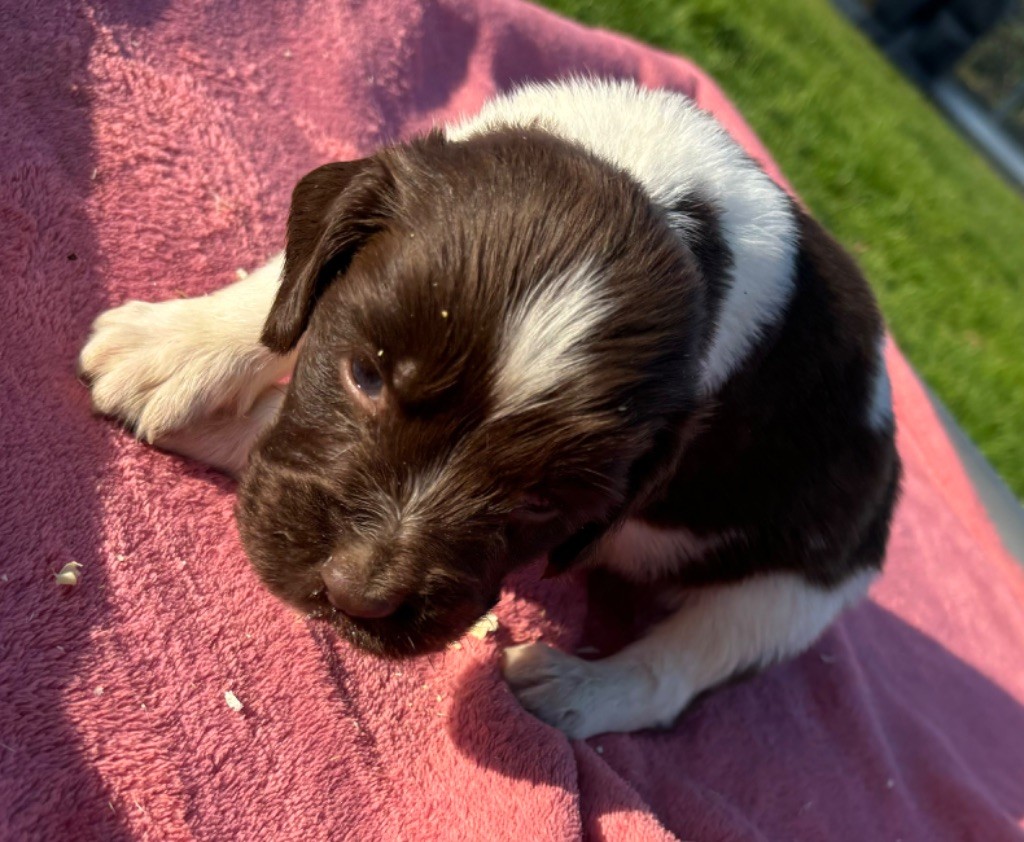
(938, 233)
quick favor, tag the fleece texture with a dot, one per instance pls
(148, 151)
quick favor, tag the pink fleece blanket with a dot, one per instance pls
(148, 150)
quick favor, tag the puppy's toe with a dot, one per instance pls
(558, 689)
(150, 365)
(102, 349)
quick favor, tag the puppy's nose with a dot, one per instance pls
(349, 598)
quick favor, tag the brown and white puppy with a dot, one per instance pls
(581, 325)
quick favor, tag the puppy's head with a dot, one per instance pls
(498, 336)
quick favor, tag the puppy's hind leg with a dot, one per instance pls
(168, 367)
(718, 633)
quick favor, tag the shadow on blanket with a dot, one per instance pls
(49, 253)
(956, 725)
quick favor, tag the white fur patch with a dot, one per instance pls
(225, 440)
(716, 634)
(880, 412)
(674, 149)
(543, 344)
(645, 553)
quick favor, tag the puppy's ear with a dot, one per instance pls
(335, 210)
(652, 472)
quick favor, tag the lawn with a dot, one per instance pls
(938, 233)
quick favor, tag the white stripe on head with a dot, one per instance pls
(543, 344)
(880, 412)
(674, 149)
(542, 347)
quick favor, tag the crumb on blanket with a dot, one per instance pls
(68, 575)
(488, 624)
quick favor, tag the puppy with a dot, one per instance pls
(582, 325)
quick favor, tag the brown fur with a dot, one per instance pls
(413, 260)
(381, 248)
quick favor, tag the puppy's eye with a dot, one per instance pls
(363, 382)
(535, 507)
(366, 378)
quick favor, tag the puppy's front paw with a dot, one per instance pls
(139, 361)
(558, 689)
(156, 367)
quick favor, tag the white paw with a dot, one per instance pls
(580, 698)
(157, 367)
(551, 685)
(584, 698)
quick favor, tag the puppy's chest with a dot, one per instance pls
(641, 552)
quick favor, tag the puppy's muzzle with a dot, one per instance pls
(347, 592)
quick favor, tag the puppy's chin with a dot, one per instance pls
(415, 629)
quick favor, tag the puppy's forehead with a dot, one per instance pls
(518, 288)
(491, 260)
